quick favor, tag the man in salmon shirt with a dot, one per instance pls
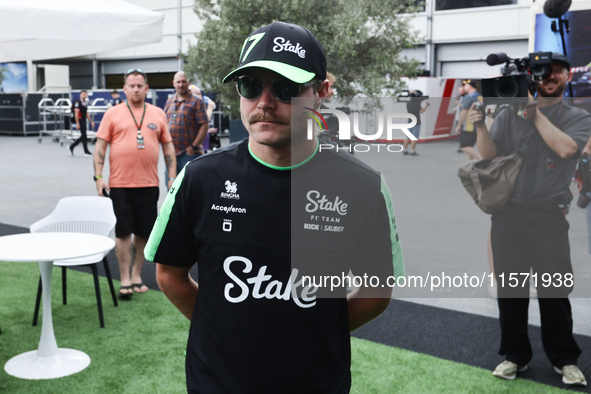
(134, 130)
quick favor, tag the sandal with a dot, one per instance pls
(125, 295)
(139, 286)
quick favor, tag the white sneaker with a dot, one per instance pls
(88, 155)
(508, 370)
(571, 374)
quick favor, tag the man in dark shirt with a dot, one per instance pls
(531, 233)
(255, 216)
(187, 121)
(115, 98)
(80, 117)
(414, 106)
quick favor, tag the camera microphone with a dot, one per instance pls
(556, 8)
(496, 58)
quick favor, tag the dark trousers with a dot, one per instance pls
(524, 240)
(82, 137)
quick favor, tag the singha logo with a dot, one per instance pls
(231, 191)
(231, 187)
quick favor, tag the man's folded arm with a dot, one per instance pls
(176, 283)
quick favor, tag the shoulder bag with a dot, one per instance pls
(490, 182)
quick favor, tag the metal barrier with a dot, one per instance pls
(54, 113)
(55, 119)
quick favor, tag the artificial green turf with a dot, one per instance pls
(141, 348)
(377, 368)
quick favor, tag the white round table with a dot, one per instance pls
(49, 361)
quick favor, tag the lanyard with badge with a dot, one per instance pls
(174, 113)
(140, 138)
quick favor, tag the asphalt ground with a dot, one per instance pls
(441, 231)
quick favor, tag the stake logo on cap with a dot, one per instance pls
(281, 45)
(287, 49)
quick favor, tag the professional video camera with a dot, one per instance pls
(519, 77)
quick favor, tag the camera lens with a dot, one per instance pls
(541, 72)
(507, 88)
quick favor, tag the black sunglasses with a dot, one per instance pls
(283, 89)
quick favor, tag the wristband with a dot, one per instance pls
(97, 177)
(194, 147)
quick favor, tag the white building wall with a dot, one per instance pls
(482, 24)
(453, 26)
(461, 38)
(468, 59)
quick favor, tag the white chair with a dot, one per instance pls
(84, 214)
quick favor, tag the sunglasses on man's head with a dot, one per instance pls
(283, 89)
(135, 70)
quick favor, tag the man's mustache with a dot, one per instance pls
(267, 117)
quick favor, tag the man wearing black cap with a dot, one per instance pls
(261, 215)
(531, 233)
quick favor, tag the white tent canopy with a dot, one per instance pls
(51, 29)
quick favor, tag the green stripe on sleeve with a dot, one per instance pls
(162, 220)
(397, 259)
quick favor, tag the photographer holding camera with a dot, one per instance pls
(531, 232)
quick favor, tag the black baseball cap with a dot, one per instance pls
(559, 57)
(287, 49)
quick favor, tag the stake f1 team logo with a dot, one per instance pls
(345, 124)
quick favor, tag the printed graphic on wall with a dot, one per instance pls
(13, 78)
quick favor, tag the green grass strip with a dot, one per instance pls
(379, 369)
(141, 348)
